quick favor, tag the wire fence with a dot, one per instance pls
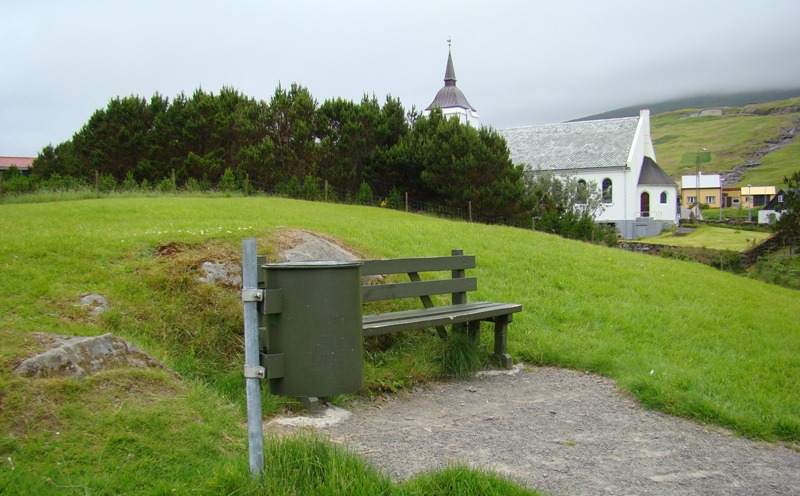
(311, 189)
(322, 191)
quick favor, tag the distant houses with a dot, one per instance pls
(708, 190)
(23, 164)
(701, 188)
(756, 196)
(773, 209)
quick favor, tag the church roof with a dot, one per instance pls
(572, 145)
(653, 175)
(450, 96)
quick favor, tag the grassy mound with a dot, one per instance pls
(679, 336)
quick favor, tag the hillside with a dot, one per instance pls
(755, 144)
(711, 350)
(699, 102)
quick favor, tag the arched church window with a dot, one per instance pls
(582, 192)
(663, 197)
(608, 194)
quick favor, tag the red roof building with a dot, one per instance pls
(22, 163)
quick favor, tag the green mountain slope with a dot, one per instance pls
(700, 101)
(755, 144)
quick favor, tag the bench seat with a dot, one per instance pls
(384, 323)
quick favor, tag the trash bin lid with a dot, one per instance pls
(314, 264)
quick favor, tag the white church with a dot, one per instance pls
(616, 155)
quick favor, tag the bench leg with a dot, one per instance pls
(501, 341)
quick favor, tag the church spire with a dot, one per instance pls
(449, 72)
(450, 99)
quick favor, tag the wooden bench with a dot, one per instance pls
(459, 314)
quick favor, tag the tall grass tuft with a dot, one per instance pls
(458, 356)
(461, 479)
(307, 464)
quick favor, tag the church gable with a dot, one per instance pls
(653, 175)
(573, 145)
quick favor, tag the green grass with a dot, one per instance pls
(781, 267)
(776, 166)
(306, 464)
(718, 238)
(728, 357)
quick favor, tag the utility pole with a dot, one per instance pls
(697, 178)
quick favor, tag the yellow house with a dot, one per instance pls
(731, 197)
(756, 196)
(703, 189)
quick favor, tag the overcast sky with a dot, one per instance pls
(517, 62)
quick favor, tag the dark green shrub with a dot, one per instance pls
(364, 196)
(310, 189)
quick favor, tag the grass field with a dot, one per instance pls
(713, 237)
(681, 337)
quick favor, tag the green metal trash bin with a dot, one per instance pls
(318, 330)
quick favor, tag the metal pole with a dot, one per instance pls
(255, 428)
(697, 179)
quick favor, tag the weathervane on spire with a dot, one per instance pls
(448, 42)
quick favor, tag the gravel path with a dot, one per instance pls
(563, 432)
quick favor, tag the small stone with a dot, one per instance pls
(227, 273)
(97, 303)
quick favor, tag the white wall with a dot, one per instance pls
(465, 116)
(614, 211)
(658, 211)
(763, 216)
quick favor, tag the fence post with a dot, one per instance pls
(255, 432)
(406, 201)
(470, 210)
(326, 191)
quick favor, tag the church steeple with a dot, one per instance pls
(450, 99)
(449, 72)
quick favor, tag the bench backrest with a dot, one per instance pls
(457, 285)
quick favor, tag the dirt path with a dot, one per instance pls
(563, 432)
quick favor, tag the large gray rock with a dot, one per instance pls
(79, 356)
(306, 247)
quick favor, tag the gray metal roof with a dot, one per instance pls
(653, 175)
(450, 96)
(572, 145)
